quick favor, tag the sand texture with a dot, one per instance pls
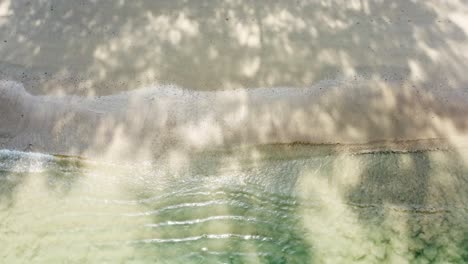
(365, 115)
(145, 78)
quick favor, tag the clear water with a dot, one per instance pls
(265, 205)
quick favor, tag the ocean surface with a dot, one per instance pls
(276, 204)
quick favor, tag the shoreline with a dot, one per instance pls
(303, 149)
(348, 115)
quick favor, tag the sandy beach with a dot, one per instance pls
(366, 115)
(98, 75)
(103, 47)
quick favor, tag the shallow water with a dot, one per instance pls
(264, 205)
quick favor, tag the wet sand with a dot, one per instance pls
(360, 115)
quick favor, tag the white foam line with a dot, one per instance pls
(179, 206)
(204, 220)
(201, 237)
(21, 154)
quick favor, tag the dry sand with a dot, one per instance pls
(102, 47)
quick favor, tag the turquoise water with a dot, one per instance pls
(263, 205)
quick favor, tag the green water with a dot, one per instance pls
(271, 205)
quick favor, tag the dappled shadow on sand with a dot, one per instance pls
(102, 47)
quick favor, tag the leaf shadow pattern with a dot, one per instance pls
(96, 48)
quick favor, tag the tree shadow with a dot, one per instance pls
(417, 200)
(105, 47)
